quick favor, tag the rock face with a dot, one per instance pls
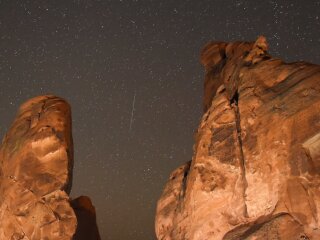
(36, 160)
(256, 164)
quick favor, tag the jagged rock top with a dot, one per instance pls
(223, 61)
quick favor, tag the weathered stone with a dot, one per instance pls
(255, 170)
(36, 167)
(36, 160)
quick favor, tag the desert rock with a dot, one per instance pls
(256, 164)
(36, 161)
(87, 228)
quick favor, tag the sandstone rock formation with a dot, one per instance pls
(87, 228)
(36, 160)
(256, 164)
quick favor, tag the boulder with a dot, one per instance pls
(87, 228)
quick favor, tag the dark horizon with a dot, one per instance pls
(131, 73)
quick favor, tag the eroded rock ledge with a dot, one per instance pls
(36, 161)
(256, 164)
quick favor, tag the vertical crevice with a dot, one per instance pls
(234, 104)
(184, 179)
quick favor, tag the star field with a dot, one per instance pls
(131, 72)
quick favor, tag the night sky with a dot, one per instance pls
(131, 72)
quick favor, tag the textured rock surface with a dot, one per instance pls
(255, 170)
(36, 160)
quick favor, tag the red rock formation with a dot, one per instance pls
(255, 170)
(36, 160)
(86, 215)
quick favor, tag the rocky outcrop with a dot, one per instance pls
(256, 164)
(86, 215)
(36, 160)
